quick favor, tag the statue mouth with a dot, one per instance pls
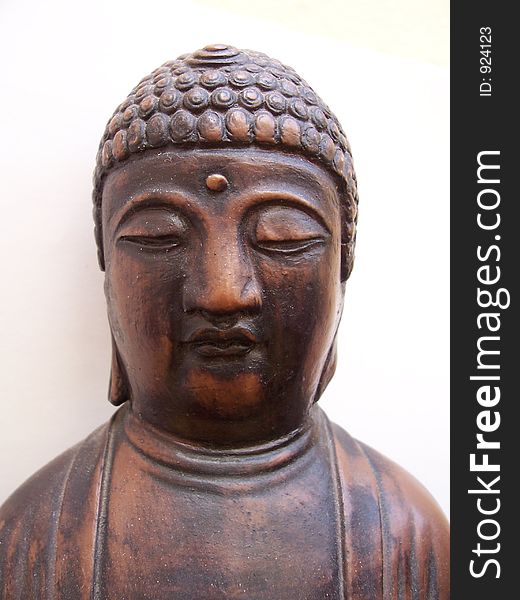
(215, 343)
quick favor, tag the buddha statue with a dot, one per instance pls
(225, 211)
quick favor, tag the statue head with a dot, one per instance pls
(225, 206)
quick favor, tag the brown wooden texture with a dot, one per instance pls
(226, 236)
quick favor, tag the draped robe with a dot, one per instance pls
(130, 514)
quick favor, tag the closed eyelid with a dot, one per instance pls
(147, 224)
(173, 203)
(312, 202)
(154, 219)
(279, 223)
(299, 203)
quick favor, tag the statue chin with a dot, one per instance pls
(236, 399)
(225, 204)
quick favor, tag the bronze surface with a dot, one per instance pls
(225, 221)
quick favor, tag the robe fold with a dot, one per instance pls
(129, 514)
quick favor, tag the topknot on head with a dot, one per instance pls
(223, 95)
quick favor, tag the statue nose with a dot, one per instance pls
(224, 283)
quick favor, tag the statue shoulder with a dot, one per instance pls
(401, 489)
(47, 483)
(396, 487)
(30, 498)
(31, 516)
(413, 530)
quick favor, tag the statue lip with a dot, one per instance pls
(213, 342)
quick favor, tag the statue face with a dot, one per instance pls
(223, 287)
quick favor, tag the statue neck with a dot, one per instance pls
(277, 420)
(209, 460)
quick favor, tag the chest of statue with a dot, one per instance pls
(184, 523)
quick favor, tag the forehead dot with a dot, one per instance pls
(216, 182)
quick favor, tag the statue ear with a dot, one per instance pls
(118, 390)
(345, 267)
(329, 367)
(328, 370)
(347, 260)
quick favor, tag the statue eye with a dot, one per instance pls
(287, 230)
(157, 242)
(154, 229)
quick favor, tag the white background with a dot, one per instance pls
(381, 66)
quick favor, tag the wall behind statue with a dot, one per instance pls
(380, 65)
